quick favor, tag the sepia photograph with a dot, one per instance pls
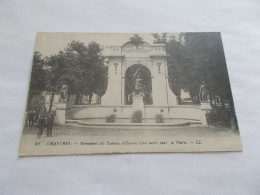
(95, 93)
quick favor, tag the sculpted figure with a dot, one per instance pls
(63, 93)
(203, 93)
(138, 90)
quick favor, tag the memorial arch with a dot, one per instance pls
(124, 61)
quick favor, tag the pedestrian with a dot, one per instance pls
(31, 116)
(50, 122)
(41, 125)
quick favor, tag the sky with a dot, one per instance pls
(49, 43)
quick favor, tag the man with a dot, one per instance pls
(50, 122)
(41, 125)
(31, 116)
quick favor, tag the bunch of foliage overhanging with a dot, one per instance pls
(137, 117)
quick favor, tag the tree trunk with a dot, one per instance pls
(52, 97)
(98, 99)
(77, 99)
(90, 98)
(210, 99)
(80, 99)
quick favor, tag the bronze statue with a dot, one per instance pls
(138, 86)
(63, 93)
(203, 93)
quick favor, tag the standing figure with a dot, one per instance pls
(63, 93)
(36, 116)
(42, 111)
(31, 116)
(41, 125)
(203, 93)
(50, 122)
(138, 86)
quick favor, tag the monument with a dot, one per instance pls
(61, 107)
(153, 58)
(137, 80)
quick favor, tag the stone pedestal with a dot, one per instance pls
(60, 114)
(138, 103)
(205, 107)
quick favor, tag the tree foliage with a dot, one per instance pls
(79, 66)
(86, 73)
(196, 59)
(199, 59)
(38, 78)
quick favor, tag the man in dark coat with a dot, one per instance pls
(50, 122)
(41, 125)
(31, 116)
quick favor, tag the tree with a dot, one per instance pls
(80, 67)
(101, 83)
(38, 77)
(207, 55)
(85, 71)
(96, 73)
(56, 73)
(176, 65)
(196, 58)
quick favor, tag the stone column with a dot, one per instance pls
(123, 91)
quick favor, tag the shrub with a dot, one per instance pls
(137, 117)
(111, 118)
(159, 118)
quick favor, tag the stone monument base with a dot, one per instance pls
(60, 114)
(138, 104)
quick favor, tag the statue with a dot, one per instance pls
(203, 93)
(63, 93)
(138, 86)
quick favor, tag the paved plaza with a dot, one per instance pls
(81, 130)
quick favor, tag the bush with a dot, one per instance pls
(137, 117)
(111, 118)
(159, 118)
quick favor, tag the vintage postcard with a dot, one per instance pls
(95, 93)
